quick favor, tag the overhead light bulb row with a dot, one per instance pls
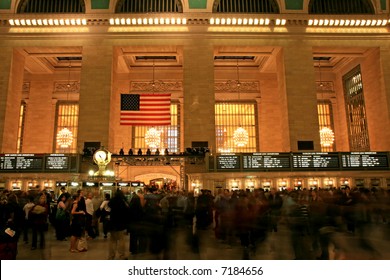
(348, 22)
(245, 21)
(212, 21)
(148, 21)
(47, 22)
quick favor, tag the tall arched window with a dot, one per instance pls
(341, 7)
(149, 6)
(246, 6)
(51, 6)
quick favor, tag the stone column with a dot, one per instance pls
(199, 99)
(40, 116)
(301, 98)
(11, 84)
(95, 96)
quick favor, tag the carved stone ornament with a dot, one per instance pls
(158, 86)
(325, 86)
(63, 87)
(232, 86)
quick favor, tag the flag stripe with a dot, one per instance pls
(145, 109)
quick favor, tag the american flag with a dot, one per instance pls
(145, 109)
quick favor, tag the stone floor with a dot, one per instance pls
(277, 246)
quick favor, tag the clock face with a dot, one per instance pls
(100, 156)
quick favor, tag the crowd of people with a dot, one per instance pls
(151, 217)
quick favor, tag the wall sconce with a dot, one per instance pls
(14, 184)
(235, 183)
(46, 184)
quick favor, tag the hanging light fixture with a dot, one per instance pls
(65, 136)
(240, 135)
(326, 137)
(326, 133)
(153, 138)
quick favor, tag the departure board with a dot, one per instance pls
(38, 163)
(57, 162)
(258, 161)
(315, 161)
(228, 162)
(364, 160)
(21, 162)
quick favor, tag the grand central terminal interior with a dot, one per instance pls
(257, 94)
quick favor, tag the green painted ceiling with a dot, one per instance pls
(100, 4)
(197, 4)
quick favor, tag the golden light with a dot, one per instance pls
(326, 137)
(240, 137)
(153, 138)
(64, 138)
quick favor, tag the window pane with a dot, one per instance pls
(229, 117)
(67, 117)
(169, 135)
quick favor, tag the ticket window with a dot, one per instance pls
(266, 186)
(344, 183)
(328, 183)
(250, 185)
(235, 185)
(298, 184)
(375, 183)
(313, 184)
(282, 185)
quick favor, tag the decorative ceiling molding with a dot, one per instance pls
(63, 87)
(157, 86)
(231, 86)
(324, 86)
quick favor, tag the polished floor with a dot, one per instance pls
(277, 246)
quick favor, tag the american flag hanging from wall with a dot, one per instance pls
(145, 109)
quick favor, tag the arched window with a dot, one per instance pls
(341, 7)
(149, 6)
(51, 6)
(246, 6)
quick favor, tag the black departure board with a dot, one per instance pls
(364, 160)
(315, 161)
(21, 162)
(257, 161)
(228, 162)
(38, 163)
(57, 162)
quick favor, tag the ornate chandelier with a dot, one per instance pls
(153, 138)
(326, 137)
(240, 137)
(65, 138)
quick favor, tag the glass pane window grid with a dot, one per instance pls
(230, 116)
(356, 111)
(169, 137)
(22, 114)
(67, 117)
(325, 119)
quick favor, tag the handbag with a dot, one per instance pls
(60, 214)
(82, 245)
